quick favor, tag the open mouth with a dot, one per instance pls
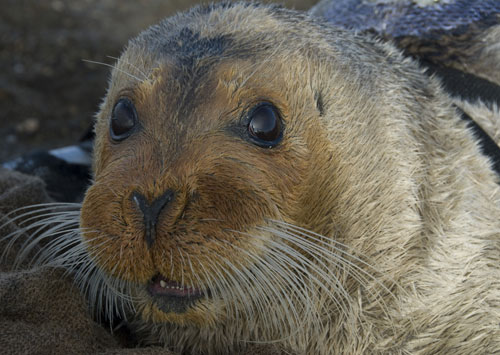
(171, 296)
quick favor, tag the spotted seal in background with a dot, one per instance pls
(261, 176)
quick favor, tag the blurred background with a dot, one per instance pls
(48, 94)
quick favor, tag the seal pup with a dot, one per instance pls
(262, 177)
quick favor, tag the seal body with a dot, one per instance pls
(260, 176)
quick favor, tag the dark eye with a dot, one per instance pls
(264, 126)
(123, 120)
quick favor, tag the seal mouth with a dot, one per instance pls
(161, 286)
(172, 296)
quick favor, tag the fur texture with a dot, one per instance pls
(372, 227)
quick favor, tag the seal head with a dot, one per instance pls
(259, 175)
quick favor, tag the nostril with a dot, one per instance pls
(151, 212)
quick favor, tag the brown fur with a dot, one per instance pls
(374, 157)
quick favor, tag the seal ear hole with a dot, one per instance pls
(265, 127)
(123, 120)
(319, 103)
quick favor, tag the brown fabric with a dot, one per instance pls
(41, 311)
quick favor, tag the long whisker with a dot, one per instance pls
(283, 256)
(320, 252)
(113, 67)
(128, 63)
(271, 280)
(321, 241)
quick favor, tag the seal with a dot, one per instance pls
(260, 176)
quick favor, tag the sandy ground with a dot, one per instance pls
(48, 94)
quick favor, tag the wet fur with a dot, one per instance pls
(373, 227)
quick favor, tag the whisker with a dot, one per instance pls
(113, 67)
(324, 242)
(269, 284)
(321, 253)
(128, 63)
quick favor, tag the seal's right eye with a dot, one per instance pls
(123, 120)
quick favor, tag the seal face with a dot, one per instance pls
(260, 176)
(206, 165)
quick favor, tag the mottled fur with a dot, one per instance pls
(373, 227)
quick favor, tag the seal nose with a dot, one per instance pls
(151, 211)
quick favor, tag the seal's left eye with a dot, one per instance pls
(123, 120)
(264, 127)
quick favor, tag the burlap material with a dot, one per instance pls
(41, 311)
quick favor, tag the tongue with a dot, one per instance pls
(161, 286)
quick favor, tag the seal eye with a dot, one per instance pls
(123, 120)
(264, 126)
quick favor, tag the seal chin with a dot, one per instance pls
(171, 296)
